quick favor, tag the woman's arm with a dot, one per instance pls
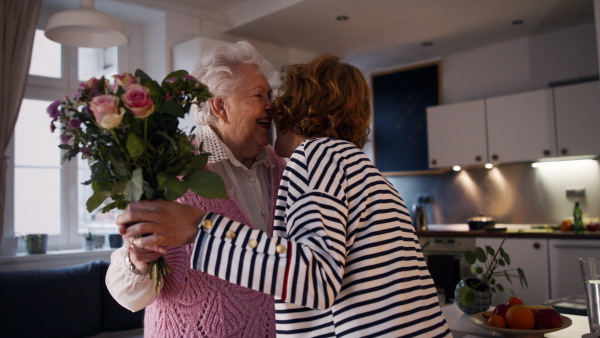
(130, 288)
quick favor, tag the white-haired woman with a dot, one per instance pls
(234, 128)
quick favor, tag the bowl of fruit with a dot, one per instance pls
(519, 320)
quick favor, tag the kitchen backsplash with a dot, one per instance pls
(512, 193)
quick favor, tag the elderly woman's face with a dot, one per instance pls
(246, 130)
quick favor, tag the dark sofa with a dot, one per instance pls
(62, 302)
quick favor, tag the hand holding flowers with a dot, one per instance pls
(129, 133)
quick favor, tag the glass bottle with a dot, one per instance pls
(577, 220)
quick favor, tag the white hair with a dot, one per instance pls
(215, 70)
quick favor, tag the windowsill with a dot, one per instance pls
(52, 259)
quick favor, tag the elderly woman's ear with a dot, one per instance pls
(217, 106)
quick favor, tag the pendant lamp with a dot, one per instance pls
(85, 27)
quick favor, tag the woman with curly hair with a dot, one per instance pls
(344, 259)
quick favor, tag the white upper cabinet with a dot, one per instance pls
(578, 119)
(456, 134)
(520, 127)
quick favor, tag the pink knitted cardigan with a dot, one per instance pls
(193, 304)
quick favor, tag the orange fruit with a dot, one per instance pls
(514, 301)
(520, 317)
(496, 321)
(566, 225)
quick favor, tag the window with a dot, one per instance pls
(48, 197)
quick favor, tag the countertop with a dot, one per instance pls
(461, 326)
(501, 230)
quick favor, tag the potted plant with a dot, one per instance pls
(90, 240)
(475, 294)
(36, 243)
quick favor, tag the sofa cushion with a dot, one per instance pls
(114, 316)
(60, 302)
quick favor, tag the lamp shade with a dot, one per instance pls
(85, 27)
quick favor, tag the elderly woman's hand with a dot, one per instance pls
(155, 225)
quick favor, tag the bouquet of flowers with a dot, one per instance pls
(129, 133)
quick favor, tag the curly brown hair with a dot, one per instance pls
(324, 98)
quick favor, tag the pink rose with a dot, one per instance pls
(106, 111)
(137, 99)
(124, 80)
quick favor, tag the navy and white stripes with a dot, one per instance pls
(343, 259)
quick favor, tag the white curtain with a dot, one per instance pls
(19, 20)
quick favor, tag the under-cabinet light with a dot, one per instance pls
(489, 166)
(560, 163)
(456, 168)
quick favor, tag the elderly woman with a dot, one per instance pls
(344, 259)
(234, 128)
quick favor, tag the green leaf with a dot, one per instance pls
(207, 184)
(507, 276)
(118, 166)
(500, 287)
(198, 163)
(522, 277)
(143, 76)
(154, 88)
(501, 262)
(490, 250)
(466, 295)
(470, 257)
(480, 254)
(174, 188)
(478, 270)
(135, 145)
(171, 107)
(134, 187)
(95, 201)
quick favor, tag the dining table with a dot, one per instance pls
(462, 327)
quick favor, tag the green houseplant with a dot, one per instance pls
(485, 264)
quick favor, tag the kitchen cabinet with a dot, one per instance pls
(456, 134)
(531, 255)
(565, 274)
(577, 110)
(520, 127)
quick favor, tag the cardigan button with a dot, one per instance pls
(281, 249)
(253, 243)
(207, 224)
(230, 234)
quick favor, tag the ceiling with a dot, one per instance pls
(378, 33)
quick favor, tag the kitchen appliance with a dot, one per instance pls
(445, 260)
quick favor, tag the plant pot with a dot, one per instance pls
(89, 244)
(115, 240)
(483, 296)
(36, 243)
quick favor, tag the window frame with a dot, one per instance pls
(45, 88)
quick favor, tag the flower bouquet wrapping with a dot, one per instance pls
(129, 133)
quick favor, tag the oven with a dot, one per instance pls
(446, 262)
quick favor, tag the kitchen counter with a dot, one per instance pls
(501, 230)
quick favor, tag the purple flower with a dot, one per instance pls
(88, 111)
(85, 150)
(52, 126)
(189, 77)
(64, 138)
(74, 123)
(53, 110)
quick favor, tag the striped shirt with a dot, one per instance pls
(344, 260)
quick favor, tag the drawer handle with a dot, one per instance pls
(566, 246)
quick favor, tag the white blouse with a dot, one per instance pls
(250, 188)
